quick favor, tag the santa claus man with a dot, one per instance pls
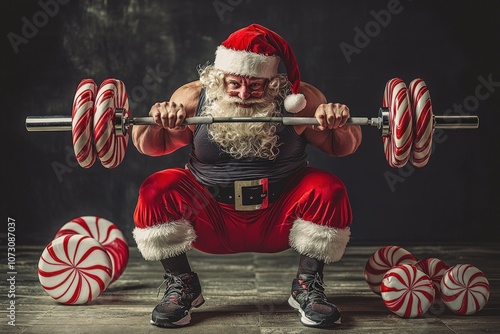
(247, 187)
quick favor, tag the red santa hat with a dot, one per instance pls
(256, 51)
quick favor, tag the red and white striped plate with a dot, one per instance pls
(82, 118)
(74, 269)
(398, 143)
(110, 144)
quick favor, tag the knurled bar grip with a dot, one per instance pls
(63, 123)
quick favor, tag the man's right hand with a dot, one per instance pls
(168, 115)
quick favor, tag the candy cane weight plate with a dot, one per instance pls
(111, 144)
(423, 129)
(82, 118)
(398, 143)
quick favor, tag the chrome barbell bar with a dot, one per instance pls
(122, 123)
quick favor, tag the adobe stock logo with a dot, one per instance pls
(363, 37)
(223, 6)
(30, 28)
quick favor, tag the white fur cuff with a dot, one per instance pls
(246, 63)
(164, 240)
(321, 242)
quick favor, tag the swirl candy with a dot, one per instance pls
(74, 269)
(465, 289)
(421, 104)
(406, 291)
(82, 122)
(435, 269)
(107, 234)
(110, 143)
(397, 145)
(381, 261)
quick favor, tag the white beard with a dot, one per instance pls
(244, 140)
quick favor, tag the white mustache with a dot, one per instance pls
(237, 100)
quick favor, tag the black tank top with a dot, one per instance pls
(212, 166)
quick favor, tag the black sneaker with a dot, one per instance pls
(182, 293)
(309, 298)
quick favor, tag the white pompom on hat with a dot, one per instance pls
(256, 51)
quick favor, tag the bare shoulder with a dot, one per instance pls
(188, 95)
(314, 97)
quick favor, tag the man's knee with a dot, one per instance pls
(159, 184)
(326, 186)
(325, 201)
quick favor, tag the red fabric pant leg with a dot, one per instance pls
(313, 196)
(172, 196)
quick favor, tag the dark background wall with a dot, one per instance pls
(155, 46)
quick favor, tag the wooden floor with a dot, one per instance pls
(245, 293)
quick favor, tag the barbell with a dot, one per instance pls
(101, 119)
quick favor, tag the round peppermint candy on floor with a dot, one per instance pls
(107, 234)
(74, 269)
(381, 261)
(435, 269)
(465, 289)
(407, 291)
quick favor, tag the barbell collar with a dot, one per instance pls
(383, 121)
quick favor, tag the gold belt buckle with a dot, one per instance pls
(238, 194)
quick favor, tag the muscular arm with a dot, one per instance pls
(333, 139)
(166, 138)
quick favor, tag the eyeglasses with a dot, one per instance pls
(255, 93)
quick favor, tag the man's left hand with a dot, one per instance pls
(331, 116)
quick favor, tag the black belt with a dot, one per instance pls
(249, 195)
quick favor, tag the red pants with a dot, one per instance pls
(174, 195)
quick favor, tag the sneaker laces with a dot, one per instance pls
(315, 288)
(174, 286)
